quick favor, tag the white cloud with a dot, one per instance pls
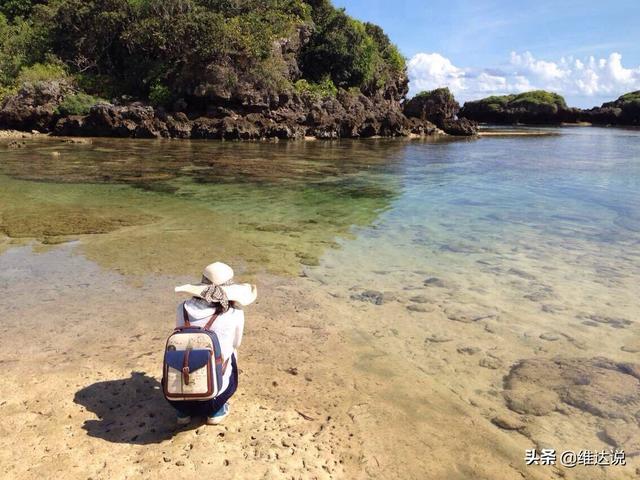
(431, 70)
(584, 82)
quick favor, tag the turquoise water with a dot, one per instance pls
(528, 226)
(346, 211)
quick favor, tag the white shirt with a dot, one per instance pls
(228, 327)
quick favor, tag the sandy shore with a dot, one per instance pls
(330, 387)
(514, 133)
(16, 134)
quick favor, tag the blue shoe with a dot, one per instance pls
(218, 416)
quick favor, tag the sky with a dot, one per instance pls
(586, 50)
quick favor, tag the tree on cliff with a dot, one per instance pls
(200, 51)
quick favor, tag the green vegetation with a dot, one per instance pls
(77, 104)
(539, 97)
(159, 94)
(42, 72)
(441, 92)
(629, 97)
(324, 88)
(534, 97)
(350, 52)
(162, 50)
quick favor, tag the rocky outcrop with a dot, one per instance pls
(34, 106)
(546, 108)
(623, 111)
(289, 115)
(461, 127)
(217, 97)
(536, 107)
(439, 107)
(347, 115)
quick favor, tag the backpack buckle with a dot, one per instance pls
(185, 375)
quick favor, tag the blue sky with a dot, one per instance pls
(587, 50)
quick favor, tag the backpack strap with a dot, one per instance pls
(225, 365)
(185, 368)
(185, 315)
(209, 324)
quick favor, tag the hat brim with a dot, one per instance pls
(242, 293)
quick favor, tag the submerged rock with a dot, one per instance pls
(598, 386)
(437, 338)
(507, 422)
(419, 308)
(434, 282)
(615, 322)
(468, 314)
(372, 296)
(550, 337)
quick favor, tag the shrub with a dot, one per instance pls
(323, 89)
(442, 91)
(535, 97)
(118, 47)
(159, 94)
(14, 47)
(5, 92)
(18, 8)
(630, 97)
(99, 84)
(352, 53)
(539, 97)
(77, 104)
(41, 72)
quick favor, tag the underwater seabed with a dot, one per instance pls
(501, 273)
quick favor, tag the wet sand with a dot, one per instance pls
(332, 384)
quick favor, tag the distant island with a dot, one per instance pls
(255, 69)
(546, 108)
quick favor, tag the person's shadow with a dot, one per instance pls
(130, 410)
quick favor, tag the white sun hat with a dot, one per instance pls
(221, 275)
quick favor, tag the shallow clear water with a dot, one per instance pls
(558, 208)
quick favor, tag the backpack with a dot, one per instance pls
(193, 364)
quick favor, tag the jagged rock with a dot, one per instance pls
(440, 107)
(436, 106)
(461, 127)
(73, 125)
(34, 106)
(178, 125)
(206, 128)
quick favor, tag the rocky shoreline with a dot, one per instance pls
(289, 116)
(294, 115)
